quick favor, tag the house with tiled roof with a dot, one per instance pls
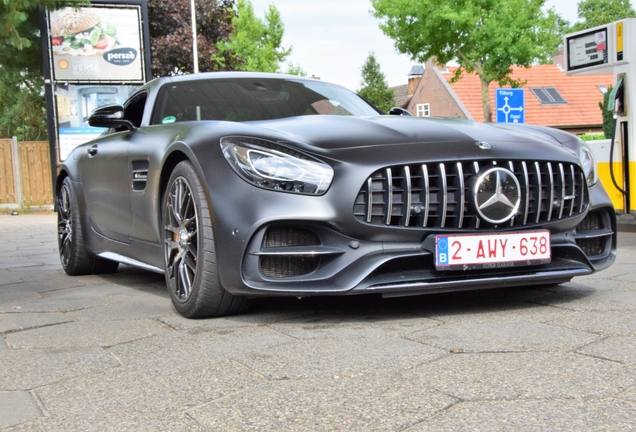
(552, 98)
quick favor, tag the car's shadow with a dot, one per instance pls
(373, 306)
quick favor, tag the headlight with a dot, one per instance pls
(271, 166)
(588, 163)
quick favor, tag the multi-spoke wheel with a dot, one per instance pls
(75, 259)
(189, 257)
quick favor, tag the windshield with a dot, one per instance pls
(249, 99)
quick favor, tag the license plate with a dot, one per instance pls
(491, 251)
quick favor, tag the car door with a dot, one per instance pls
(104, 176)
(107, 177)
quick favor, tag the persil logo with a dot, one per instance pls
(121, 56)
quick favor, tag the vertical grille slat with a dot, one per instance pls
(460, 175)
(369, 199)
(539, 191)
(573, 198)
(426, 191)
(444, 194)
(551, 185)
(439, 195)
(526, 186)
(407, 193)
(389, 193)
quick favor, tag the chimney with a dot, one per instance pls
(415, 75)
(558, 59)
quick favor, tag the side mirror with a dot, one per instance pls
(110, 116)
(399, 111)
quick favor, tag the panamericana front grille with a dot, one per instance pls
(438, 195)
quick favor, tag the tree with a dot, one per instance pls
(485, 37)
(256, 43)
(374, 87)
(23, 111)
(171, 35)
(598, 12)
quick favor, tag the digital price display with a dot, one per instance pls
(588, 49)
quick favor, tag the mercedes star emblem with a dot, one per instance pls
(497, 195)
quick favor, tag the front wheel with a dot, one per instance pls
(189, 253)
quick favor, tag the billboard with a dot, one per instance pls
(96, 44)
(74, 103)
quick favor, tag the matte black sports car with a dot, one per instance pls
(236, 185)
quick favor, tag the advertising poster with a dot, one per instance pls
(96, 44)
(74, 104)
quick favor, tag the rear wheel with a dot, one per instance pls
(189, 253)
(75, 259)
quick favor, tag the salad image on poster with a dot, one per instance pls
(89, 44)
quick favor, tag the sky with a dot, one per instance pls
(331, 39)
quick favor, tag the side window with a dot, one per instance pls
(134, 108)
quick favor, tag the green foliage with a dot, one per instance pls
(608, 116)
(22, 104)
(25, 118)
(374, 87)
(170, 26)
(256, 44)
(594, 13)
(16, 15)
(592, 136)
(486, 37)
(293, 69)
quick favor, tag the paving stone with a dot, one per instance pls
(325, 357)
(3, 344)
(16, 408)
(127, 307)
(606, 323)
(593, 299)
(33, 368)
(122, 420)
(249, 319)
(535, 415)
(11, 300)
(141, 390)
(42, 305)
(515, 312)
(339, 326)
(503, 337)
(85, 334)
(8, 278)
(524, 376)
(12, 322)
(381, 402)
(620, 348)
(166, 349)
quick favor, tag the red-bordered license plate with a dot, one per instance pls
(491, 251)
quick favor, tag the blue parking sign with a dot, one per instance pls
(510, 105)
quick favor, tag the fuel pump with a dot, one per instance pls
(611, 48)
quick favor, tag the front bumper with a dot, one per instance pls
(294, 245)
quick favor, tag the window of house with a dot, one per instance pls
(423, 110)
(548, 95)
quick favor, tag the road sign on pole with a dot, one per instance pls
(510, 104)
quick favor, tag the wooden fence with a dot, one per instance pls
(25, 173)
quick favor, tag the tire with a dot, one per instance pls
(189, 252)
(75, 259)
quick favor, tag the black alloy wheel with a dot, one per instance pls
(189, 254)
(75, 259)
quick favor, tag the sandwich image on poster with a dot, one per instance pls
(96, 44)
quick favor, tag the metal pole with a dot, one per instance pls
(195, 54)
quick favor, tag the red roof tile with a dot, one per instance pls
(579, 91)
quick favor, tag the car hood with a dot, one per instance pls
(385, 134)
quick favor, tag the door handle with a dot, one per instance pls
(93, 150)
